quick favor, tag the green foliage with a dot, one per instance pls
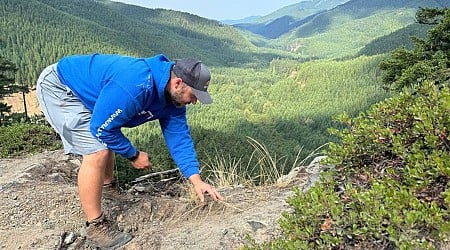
(402, 163)
(408, 138)
(390, 188)
(397, 39)
(7, 86)
(428, 60)
(21, 138)
(287, 107)
(392, 176)
(32, 40)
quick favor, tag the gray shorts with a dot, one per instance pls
(66, 114)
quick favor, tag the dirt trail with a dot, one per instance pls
(40, 209)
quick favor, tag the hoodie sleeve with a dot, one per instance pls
(113, 108)
(179, 142)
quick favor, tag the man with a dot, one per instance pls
(88, 99)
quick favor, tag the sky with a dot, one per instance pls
(215, 9)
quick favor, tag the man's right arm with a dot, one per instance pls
(108, 117)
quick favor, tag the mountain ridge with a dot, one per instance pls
(285, 19)
(347, 28)
(288, 19)
(88, 26)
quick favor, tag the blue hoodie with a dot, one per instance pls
(123, 91)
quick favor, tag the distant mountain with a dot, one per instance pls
(287, 18)
(243, 20)
(301, 10)
(397, 39)
(330, 29)
(347, 28)
(35, 33)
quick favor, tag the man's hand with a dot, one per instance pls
(142, 162)
(200, 188)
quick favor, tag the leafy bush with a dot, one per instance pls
(20, 138)
(391, 185)
(397, 159)
(390, 188)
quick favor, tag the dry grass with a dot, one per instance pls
(262, 171)
(268, 170)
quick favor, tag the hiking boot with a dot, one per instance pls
(105, 234)
(113, 192)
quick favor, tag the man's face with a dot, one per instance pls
(182, 96)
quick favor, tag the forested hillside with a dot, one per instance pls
(346, 29)
(400, 38)
(380, 120)
(267, 95)
(287, 18)
(36, 33)
(287, 106)
(33, 40)
(341, 31)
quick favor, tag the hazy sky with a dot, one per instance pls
(218, 10)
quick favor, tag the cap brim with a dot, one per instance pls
(202, 96)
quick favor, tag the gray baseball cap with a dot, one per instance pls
(195, 74)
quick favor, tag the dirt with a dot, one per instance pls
(40, 209)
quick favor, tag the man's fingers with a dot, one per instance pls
(201, 188)
(214, 194)
(201, 196)
(217, 195)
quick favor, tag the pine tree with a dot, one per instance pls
(7, 86)
(429, 60)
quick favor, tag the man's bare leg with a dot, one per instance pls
(100, 232)
(90, 182)
(109, 171)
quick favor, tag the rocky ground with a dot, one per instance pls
(40, 209)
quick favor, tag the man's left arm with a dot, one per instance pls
(181, 147)
(179, 142)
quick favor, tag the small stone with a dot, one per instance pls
(256, 225)
(57, 177)
(70, 238)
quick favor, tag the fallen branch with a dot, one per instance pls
(144, 177)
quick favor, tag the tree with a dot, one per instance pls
(7, 85)
(430, 58)
(429, 16)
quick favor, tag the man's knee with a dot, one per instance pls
(101, 157)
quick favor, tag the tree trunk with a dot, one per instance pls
(24, 103)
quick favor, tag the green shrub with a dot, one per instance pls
(390, 188)
(23, 138)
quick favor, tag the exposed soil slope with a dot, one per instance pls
(40, 209)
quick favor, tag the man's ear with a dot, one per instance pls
(177, 83)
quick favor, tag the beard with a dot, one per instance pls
(174, 98)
